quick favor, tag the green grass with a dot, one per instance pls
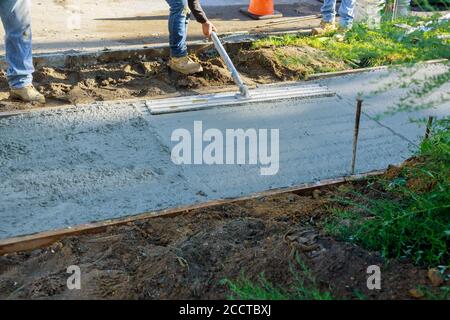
(388, 45)
(307, 64)
(442, 293)
(431, 5)
(304, 287)
(410, 217)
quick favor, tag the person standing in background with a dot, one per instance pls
(328, 10)
(16, 19)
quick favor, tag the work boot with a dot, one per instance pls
(341, 31)
(27, 94)
(344, 29)
(324, 27)
(184, 65)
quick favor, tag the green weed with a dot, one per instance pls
(304, 288)
(431, 5)
(363, 47)
(442, 293)
(411, 216)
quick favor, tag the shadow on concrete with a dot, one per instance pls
(231, 13)
(292, 15)
(137, 18)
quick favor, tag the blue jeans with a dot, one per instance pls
(346, 11)
(16, 19)
(178, 26)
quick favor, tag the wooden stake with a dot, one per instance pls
(356, 132)
(428, 129)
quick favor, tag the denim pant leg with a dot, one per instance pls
(178, 23)
(328, 10)
(346, 13)
(16, 19)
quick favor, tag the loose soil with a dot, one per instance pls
(137, 78)
(187, 256)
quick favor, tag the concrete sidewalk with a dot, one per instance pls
(62, 25)
(103, 161)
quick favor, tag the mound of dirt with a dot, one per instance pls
(286, 63)
(215, 74)
(187, 256)
(416, 179)
(118, 80)
(115, 81)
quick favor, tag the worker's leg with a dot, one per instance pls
(178, 22)
(16, 19)
(328, 10)
(346, 13)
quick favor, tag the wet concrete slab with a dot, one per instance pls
(315, 143)
(77, 165)
(393, 88)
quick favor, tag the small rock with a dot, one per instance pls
(148, 67)
(435, 277)
(416, 293)
(56, 246)
(291, 198)
(201, 193)
(304, 240)
(291, 238)
(128, 68)
(316, 194)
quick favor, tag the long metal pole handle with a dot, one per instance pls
(226, 58)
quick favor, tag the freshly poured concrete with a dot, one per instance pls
(382, 90)
(73, 166)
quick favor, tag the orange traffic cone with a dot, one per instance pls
(261, 9)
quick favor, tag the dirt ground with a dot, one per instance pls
(187, 256)
(151, 78)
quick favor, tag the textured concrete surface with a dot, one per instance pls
(72, 166)
(383, 90)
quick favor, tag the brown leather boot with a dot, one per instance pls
(27, 94)
(324, 27)
(184, 65)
